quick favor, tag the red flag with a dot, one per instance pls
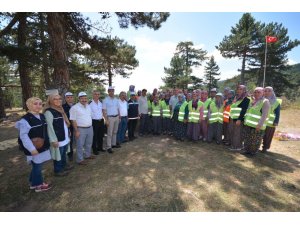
(271, 39)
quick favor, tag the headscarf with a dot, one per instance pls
(230, 100)
(272, 98)
(30, 102)
(261, 91)
(50, 104)
(243, 95)
(219, 103)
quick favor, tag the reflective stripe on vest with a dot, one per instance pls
(194, 114)
(165, 109)
(182, 111)
(272, 113)
(226, 114)
(205, 107)
(216, 114)
(253, 116)
(155, 109)
(235, 110)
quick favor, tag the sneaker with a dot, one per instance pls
(42, 187)
(110, 151)
(34, 187)
(116, 146)
(91, 157)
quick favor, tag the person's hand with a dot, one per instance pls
(258, 128)
(77, 134)
(107, 123)
(238, 122)
(55, 144)
(34, 152)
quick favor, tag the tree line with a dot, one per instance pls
(246, 42)
(56, 50)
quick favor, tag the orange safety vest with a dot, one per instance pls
(226, 113)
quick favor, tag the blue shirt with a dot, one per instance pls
(111, 105)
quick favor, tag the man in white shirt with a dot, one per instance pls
(123, 106)
(111, 114)
(98, 123)
(81, 116)
(143, 110)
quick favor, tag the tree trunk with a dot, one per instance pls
(22, 61)
(46, 82)
(243, 69)
(109, 77)
(2, 107)
(61, 77)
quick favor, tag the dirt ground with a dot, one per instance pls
(160, 174)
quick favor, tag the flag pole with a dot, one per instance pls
(265, 66)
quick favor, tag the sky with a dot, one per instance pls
(154, 49)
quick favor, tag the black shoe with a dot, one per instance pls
(110, 151)
(101, 150)
(96, 152)
(116, 146)
(218, 143)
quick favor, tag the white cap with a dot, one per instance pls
(111, 88)
(132, 93)
(68, 94)
(82, 94)
(219, 94)
(214, 89)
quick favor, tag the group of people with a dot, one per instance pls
(235, 118)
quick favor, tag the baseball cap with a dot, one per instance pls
(68, 94)
(82, 94)
(214, 89)
(132, 93)
(219, 94)
(111, 88)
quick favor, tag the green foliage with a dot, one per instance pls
(211, 74)
(181, 66)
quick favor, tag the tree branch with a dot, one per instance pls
(10, 25)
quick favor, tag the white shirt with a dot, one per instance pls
(96, 110)
(123, 107)
(81, 114)
(143, 105)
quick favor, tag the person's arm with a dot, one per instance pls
(264, 116)
(51, 133)
(74, 123)
(24, 129)
(244, 105)
(104, 111)
(277, 115)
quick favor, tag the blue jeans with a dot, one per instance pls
(122, 130)
(60, 165)
(36, 177)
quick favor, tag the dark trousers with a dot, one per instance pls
(143, 124)
(156, 120)
(36, 177)
(70, 154)
(98, 128)
(267, 139)
(166, 125)
(59, 166)
(131, 128)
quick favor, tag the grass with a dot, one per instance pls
(161, 174)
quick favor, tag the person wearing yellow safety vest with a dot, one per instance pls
(255, 122)
(204, 119)
(180, 115)
(156, 115)
(193, 127)
(226, 116)
(238, 110)
(273, 119)
(166, 113)
(215, 119)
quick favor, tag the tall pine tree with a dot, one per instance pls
(211, 73)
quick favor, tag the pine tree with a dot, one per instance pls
(211, 73)
(241, 42)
